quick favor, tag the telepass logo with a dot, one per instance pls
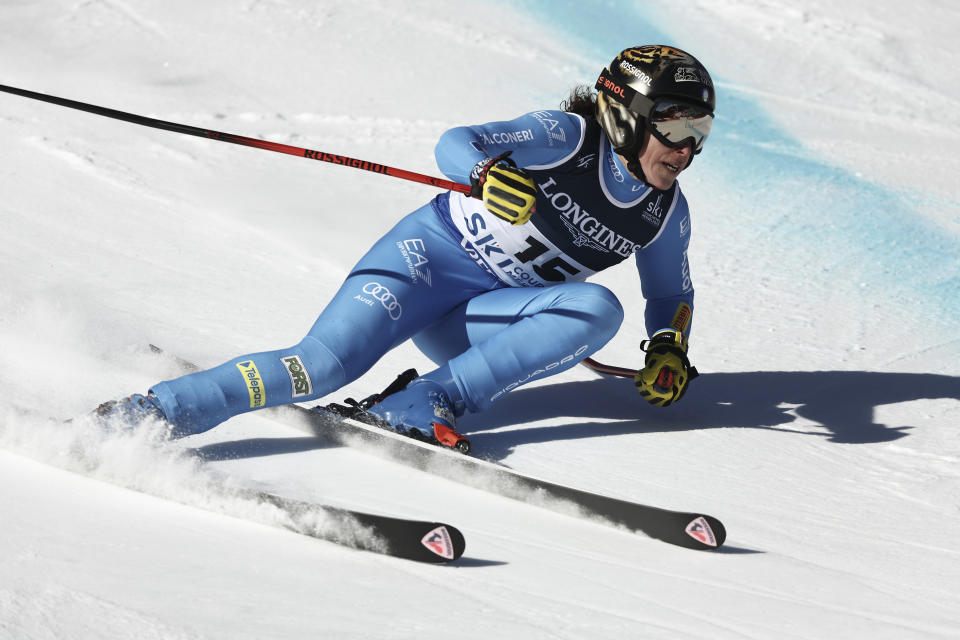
(251, 375)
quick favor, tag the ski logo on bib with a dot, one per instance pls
(438, 541)
(699, 529)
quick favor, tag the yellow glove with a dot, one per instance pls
(666, 372)
(507, 191)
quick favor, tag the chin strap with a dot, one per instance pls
(634, 167)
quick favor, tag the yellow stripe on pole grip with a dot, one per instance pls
(682, 318)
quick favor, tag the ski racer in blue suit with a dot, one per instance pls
(491, 286)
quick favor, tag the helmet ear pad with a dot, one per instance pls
(624, 128)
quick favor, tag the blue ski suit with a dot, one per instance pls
(494, 305)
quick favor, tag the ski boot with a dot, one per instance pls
(131, 410)
(423, 412)
(416, 407)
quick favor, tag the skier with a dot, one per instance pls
(491, 286)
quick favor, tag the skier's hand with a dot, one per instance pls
(507, 191)
(664, 377)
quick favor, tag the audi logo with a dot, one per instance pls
(387, 299)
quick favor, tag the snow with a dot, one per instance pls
(825, 255)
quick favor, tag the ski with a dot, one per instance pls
(692, 530)
(418, 540)
(686, 529)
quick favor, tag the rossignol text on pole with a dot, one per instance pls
(322, 156)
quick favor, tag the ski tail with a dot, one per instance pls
(419, 540)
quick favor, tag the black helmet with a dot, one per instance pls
(661, 88)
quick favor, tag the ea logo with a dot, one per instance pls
(387, 299)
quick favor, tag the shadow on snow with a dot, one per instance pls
(840, 402)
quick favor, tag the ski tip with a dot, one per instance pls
(704, 532)
(442, 543)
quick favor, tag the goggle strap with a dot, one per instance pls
(627, 96)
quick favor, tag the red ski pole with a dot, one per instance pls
(599, 367)
(322, 156)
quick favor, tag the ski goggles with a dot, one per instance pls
(674, 122)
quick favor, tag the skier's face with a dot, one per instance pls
(662, 164)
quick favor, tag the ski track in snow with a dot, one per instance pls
(823, 431)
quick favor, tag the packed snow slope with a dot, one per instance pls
(825, 253)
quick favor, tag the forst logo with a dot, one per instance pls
(300, 384)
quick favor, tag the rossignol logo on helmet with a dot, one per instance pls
(300, 384)
(636, 73)
(253, 379)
